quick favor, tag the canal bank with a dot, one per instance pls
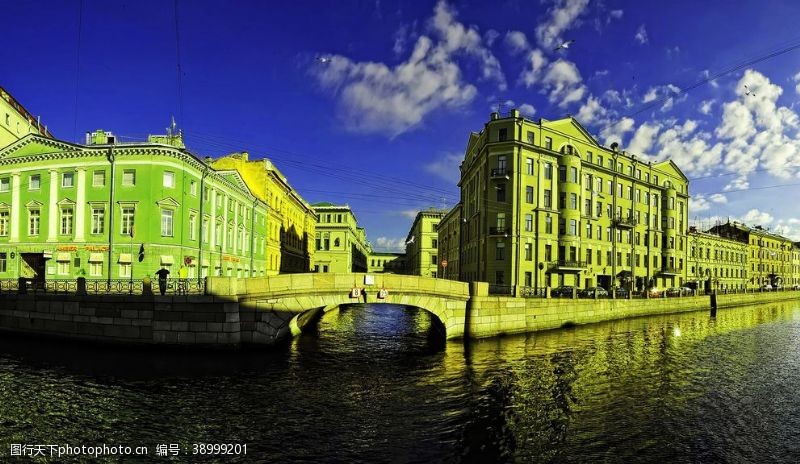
(489, 316)
(228, 321)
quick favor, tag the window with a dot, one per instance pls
(528, 223)
(562, 173)
(5, 184)
(33, 221)
(501, 192)
(528, 252)
(562, 226)
(529, 166)
(63, 267)
(500, 249)
(499, 277)
(126, 226)
(548, 143)
(562, 200)
(434, 259)
(434, 243)
(548, 224)
(193, 188)
(573, 227)
(95, 269)
(204, 232)
(129, 177)
(530, 137)
(98, 178)
(66, 220)
(573, 175)
(573, 201)
(3, 260)
(548, 171)
(589, 156)
(588, 256)
(125, 269)
(501, 221)
(3, 223)
(502, 134)
(168, 180)
(588, 230)
(34, 182)
(548, 252)
(67, 179)
(529, 194)
(599, 160)
(98, 220)
(192, 226)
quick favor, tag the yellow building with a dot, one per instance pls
(422, 244)
(382, 262)
(341, 245)
(715, 262)
(16, 122)
(769, 256)
(450, 243)
(544, 204)
(291, 223)
(795, 279)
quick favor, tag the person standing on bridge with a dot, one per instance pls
(364, 294)
(162, 279)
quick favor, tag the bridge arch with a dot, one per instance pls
(279, 307)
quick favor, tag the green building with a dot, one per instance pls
(422, 244)
(544, 204)
(341, 245)
(111, 210)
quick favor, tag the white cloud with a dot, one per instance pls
(705, 107)
(718, 198)
(698, 203)
(740, 183)
(390, 244)
(533, 72)
(651, 95)
(446, 167)
(527, 109)
(561, 16)
(563, 80)
(737, 122)
(641, 35)
(616, 14)
(754, 217)
(614, 132)
(643, 138)
(490, 36)
(707, 74)
(590, 111)
(376, 98)
(517, 41)
(672, 52)
(409, 213)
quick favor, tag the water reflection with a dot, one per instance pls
(378, 383)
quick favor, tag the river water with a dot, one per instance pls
(378, 383)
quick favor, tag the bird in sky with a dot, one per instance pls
(324, 59)
(748, 91)
(411, 240)
(564, 45)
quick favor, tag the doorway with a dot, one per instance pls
(32, 266)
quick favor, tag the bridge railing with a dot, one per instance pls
(179, 286)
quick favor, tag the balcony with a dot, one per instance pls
(499, 231)
(624, 222)
(668, 270)
(498, 173)
(568, 265)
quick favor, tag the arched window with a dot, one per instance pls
(336, 243)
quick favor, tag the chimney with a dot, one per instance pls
(495, 115)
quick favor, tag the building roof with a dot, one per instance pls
(17, 106)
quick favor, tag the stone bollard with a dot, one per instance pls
(81, 286)
(547, 292)
(595, 292)
(574, 292)
(22, 285)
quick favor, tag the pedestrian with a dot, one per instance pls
(364, 294)
(162, 280)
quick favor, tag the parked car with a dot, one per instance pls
(686, 291)
(673, 291)
(564, 291)
(621, 292)
(591, 291)
(654, 292)
(767, 287)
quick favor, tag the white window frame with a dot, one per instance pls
(65, 176)
(62, 220)
(168, 179)
(102, 177)
(169, 231)
(102, 222)
(38, 178)
(129, 181)
(38, 222)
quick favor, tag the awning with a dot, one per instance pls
(62, 257)
(96, 257)
(166, 260)
(125, 258)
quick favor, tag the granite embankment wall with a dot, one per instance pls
(179, 320)
(489, 316)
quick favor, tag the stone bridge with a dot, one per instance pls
(277, 307)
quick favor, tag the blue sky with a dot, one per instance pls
(370, 103)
